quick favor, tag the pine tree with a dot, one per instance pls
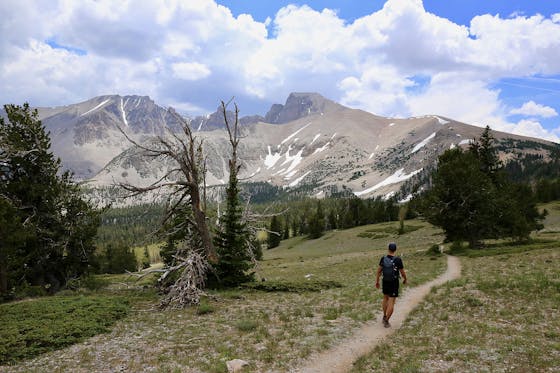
(286, 233)
(472, 199)
(60, 226)
(332, 219)
(274, 232)
(462, 199)
(233, 238)
(485, 151)
(317, 222)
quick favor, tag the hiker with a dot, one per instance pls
(390, 266)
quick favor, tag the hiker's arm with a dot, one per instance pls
(403, 274)
(379, 269)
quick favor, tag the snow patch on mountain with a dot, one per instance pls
(406, 199)
(254, 173)
(271, 159)
(442, 121)
(397, 177)
(315, 138)
(297, 181)
(294, 134)
(95, 108)
(123, 113)
(322, 148)
(289, 175)
(423, 143)
(293, 160)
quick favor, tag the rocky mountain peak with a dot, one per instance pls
(299, 105)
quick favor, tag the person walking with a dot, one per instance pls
(390, 266)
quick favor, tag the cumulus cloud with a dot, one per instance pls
(190, 70)
(533, 128)
(191, 54)
(531, 108)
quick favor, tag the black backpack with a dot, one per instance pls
(390, 271)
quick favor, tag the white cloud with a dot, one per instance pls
(531, 108)
(519, 46)
(532, 128)
(190, 70)
(477, 101)
(193, 53)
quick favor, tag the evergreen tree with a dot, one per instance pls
(472, 199)
(286, 233)
(332, 219)
(232, 240)
(486, 153)
(118, 259)
(462, 200)
(12, 237)
(295, 227)
(317, 222)
(60, 226)
(274, 232)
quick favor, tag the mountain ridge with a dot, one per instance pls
(308, 141)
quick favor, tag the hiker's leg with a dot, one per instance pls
(390, 307)
(384, 304)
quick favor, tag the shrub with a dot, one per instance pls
(456, 248)
(204, 308)
(434, 250)
(246, 325)
(291, 287)
(40, 325)
(118, 259)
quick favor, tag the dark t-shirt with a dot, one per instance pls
(397, 261)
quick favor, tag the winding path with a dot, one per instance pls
(341, 357)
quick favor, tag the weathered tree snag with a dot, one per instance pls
(187, 153)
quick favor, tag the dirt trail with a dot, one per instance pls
(341, 357)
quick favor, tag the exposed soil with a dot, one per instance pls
(341, 357)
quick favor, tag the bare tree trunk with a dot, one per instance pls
(203, 229)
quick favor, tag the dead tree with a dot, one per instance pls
(184, 185)
(184, 181)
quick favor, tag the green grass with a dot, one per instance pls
(32, 327)
(502, 315)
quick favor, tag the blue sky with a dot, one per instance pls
(458, 11)
(482, 62)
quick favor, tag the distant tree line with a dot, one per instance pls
(311, 217)
(130, 226)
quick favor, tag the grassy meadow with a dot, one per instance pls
(330, 283)
(501, 315)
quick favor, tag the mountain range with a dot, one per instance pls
(309, 141)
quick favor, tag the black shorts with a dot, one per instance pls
(391, 288)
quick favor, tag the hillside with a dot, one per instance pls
(501, 314)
